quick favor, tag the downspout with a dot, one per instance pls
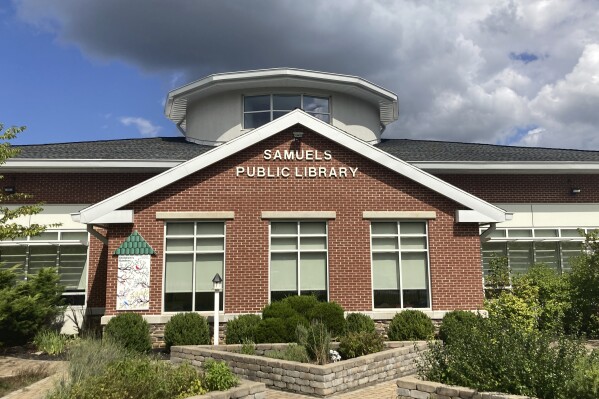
(183, 132)
(484, 237)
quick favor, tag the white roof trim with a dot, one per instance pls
(60, 164)
(508, 167)
(270, 129)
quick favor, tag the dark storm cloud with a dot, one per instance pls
(461, 69)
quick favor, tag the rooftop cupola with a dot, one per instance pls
(220, 107)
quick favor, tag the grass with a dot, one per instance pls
(22, 379)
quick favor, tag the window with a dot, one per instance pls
(526, 247)
(64, 250)
(259, 110)
(400, 265)
(298, 259)
(195, 252)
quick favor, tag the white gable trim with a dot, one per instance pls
(240, 143)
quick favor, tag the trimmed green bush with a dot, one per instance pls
(411, 325)
(361, 343)
(291, 324)
(358, 322)
(455, 322)
(331, 315)
(130, 331)
(186, 329)
(278, 310)
(242, 328)
(271, 331)
(302, 304)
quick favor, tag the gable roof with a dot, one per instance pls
(490, 212)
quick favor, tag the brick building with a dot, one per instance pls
(283, 185)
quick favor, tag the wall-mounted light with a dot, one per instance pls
(9, 190)
(575, 190)
(297, 136)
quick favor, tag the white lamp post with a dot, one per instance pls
(217, 283)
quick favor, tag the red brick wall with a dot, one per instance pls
(454, 254)
(72, 188)
(528, 188)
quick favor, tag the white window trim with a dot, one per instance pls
(164, 253)
(299, 251)
(399, 251)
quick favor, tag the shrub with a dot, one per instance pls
(278, 310)
(455, 322)
(186, 329)
(242, 328)
(291, 324)
(316, 339)
(293, 353)
(358, 322)
(331, 315)
(499, 356)
(361, 343)
(585, 382)
(90, 357)
(411, 325)
(218, 376)
(271, 331)
(584, 290)
(498, 278)
(520, 310)
(28, 306)
(51, 342)
(131, 331)
(135, 377)
(302, 304)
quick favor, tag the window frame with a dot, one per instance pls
(271, 109)
(532, 235)
(399, 252)
(29, 242)
(298, 251)
(194, 252)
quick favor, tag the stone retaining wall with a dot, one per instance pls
(305, 378)
(412, 387)
(245, 390)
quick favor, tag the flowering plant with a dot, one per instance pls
(334, 355)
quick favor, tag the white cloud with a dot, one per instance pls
(532, 138)
(463, 70)
(143, 126)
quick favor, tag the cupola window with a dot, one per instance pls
(259, 110)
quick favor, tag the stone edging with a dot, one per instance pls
(245, 390)
(38, 389)
(305, 378)
(412, 387)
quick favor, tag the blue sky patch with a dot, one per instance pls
(525, 57)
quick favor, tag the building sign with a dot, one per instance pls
(133, 283)
(299, 172)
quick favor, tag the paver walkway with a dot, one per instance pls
(383, 390)
(12, 365)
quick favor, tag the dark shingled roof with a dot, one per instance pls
(443, 151)
(172, 148)
(176, 148)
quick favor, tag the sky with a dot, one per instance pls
(510, 72)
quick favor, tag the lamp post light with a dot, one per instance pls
(217, 284)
